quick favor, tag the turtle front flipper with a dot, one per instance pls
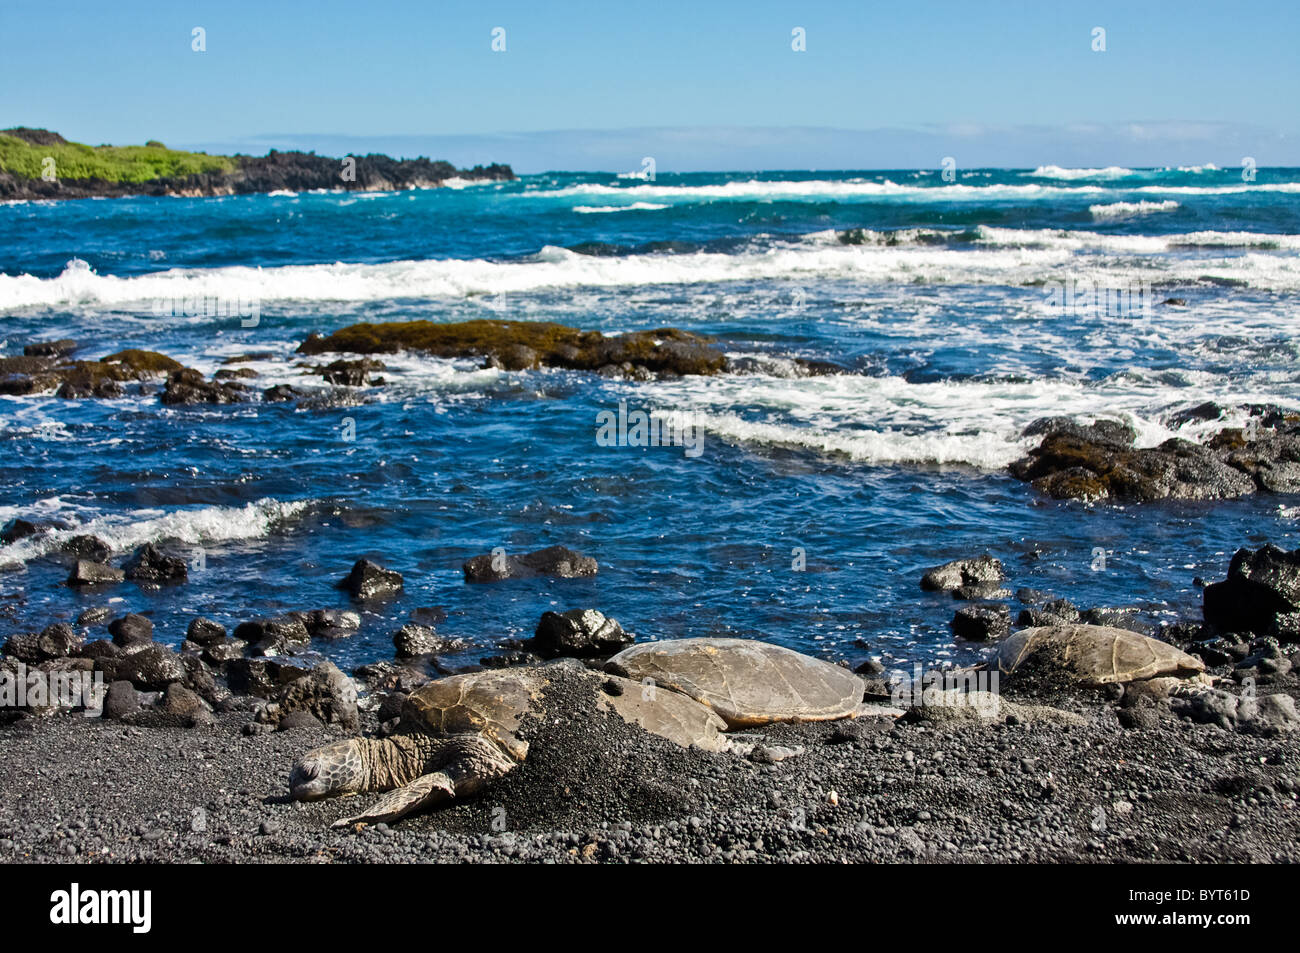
(471, 762)
(425, 791)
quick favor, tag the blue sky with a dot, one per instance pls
(698, 85)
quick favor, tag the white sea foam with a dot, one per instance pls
(634, 207)
(889, 420)
(1056, 172)
(1119, 210)
(998, 256)
(198, 526)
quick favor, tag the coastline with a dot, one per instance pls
(276, 171)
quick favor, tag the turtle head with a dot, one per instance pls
(335, 769)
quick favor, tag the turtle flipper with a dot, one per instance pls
(425, 791)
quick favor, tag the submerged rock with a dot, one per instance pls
(518, 345)
(553, 561)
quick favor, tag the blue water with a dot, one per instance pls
(941, 313)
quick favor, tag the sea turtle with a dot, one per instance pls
(746, 682)
(1096, 654)
(458, 734)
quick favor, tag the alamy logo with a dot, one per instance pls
(650, 428)
(75, 906)
(21, 687)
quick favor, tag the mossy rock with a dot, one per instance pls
(520, 345)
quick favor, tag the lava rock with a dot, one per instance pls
(150, 564)
(330, 623)
(978, 573)
(131, 629)
(86, 572)
(150, 669)
(557, 561)
(120, 701)
(59, 640)
(17, 529)
(982, 622)
(413, 641)
(1260, 595)
(273, 636)
(87, 547)
(203, 631)
(578, 633)
(368, 581)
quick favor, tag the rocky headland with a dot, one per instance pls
(227, 175)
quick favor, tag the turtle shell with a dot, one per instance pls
(1096, 654)
(744, 681)
(492, 703)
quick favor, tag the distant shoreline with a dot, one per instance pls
(33, 164)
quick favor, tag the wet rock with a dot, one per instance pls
(150, 564)
(1099, 462)
(121, 700)
(87, 547)
(131, 630)
(982, 572)
(357, 373)
(556, 561)
(388, 677)
(260, 677)
(151, 669)
(1260, 595)
(524, 344)
(412, 641)
(94, 616)
(282, 392)
(88, 573)
(222, 651)
(369, 580)
(60, 348)
(579, 633)
(100, 648)
(188, 386)
(204, 632)
(981, 623)
(509, 659)
(17, 529)
(1053, 612)
(273, 636)
(59, 640)
(330, 623)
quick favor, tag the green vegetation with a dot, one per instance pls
(72, 160)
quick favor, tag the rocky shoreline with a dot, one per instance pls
(1179, 748)
(276, 171)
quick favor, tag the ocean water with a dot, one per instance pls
(960, 311)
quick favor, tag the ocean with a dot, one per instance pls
(957, 309)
